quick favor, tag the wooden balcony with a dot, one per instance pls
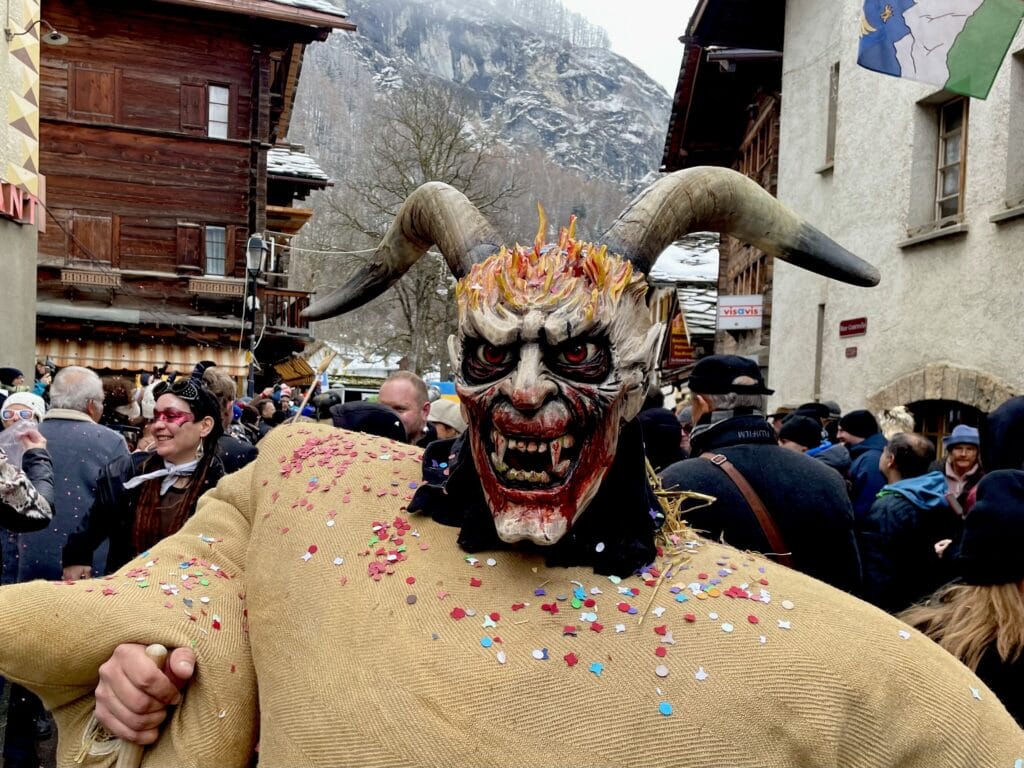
(283, 308)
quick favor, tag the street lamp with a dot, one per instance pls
(255, 254)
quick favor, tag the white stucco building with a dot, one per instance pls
(927, 186)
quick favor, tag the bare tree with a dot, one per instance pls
(423, 132)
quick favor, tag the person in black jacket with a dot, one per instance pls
(806, 499)
(146, 496)
(897, 536)
(980, 618)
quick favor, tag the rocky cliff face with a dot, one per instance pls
(586, 107)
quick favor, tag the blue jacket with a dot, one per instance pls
(866, 479)
(897, 541)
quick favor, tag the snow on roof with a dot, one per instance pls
(293, 161)
(324, 6)
(692, 264)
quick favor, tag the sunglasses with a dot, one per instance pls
(173, 416)
(8, 413)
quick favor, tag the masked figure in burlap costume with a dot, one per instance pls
(558, 624)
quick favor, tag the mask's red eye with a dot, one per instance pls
(484, 362)
(576, 354)
(493, 355)
(585, 361)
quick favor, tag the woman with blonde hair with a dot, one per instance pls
(980, 618)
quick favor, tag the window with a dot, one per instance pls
(216, 251)
(949, 187)
(218, 102)
(833, 111)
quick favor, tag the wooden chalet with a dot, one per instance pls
(163, 129)
(726, 112)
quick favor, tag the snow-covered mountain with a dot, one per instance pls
(587, 108)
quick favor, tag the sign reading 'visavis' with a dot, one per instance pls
(740, 312)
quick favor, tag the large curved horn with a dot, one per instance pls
(719, 199)
(434, 214)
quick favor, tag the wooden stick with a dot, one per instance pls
(130, 755)
(319, 369)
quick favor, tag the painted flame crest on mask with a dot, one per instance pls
(552, 356)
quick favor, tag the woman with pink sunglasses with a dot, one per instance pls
(143, 497)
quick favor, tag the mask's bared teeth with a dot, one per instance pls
(543, 477)
(556, 450)
(568, 441)
(561, 468)
(498, 464)
(500, 444)
(531, 447)
(542, 447)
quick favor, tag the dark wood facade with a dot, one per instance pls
(726, 112)
(155, 122)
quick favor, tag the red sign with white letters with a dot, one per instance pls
(857, 326)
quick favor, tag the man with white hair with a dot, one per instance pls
(80, 447)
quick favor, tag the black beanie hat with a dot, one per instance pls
(372, 418)
(801, 429)
(814, 410)
(993, 538)
(1002, 436)
(859, 423)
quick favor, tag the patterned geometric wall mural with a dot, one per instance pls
(23, 98)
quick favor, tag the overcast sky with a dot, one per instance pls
(644, 31)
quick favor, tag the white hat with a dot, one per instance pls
(27, 400)
(447, 412)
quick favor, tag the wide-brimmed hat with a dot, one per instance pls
(962, 435)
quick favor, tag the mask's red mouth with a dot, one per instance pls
(529, 462)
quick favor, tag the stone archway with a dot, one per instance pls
(942, 381)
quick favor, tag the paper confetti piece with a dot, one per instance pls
(904, 634)
(665, 708)
(700, 674)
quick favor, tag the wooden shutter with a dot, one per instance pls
(93, 234)
(193, 107)
(92, 93)
(190, 248)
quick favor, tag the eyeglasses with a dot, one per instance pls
(173, 416)
(8, 413)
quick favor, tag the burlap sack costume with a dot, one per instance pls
(376, 642)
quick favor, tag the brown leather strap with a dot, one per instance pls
(778, 545)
